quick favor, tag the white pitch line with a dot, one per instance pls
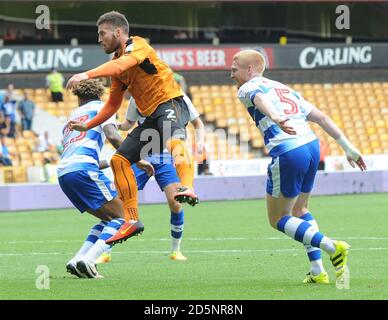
(137, 239)
(194, 239)
(186, 251)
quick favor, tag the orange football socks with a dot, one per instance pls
(183, 161)
(125, 182)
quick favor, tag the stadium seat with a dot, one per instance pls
(15, 174)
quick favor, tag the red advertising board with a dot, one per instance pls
(205, 58)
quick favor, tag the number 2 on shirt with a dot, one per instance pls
(282, 92)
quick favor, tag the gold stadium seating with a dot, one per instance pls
(15, 174)
(359, 109)
(63, 109)
(23, 154)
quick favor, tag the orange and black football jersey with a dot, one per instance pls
(151, 82)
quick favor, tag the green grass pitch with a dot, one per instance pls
(232, 253)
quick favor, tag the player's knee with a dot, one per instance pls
(175, 144)
(179, 151)
(170, 144)
(174, 205)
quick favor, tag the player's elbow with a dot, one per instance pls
(113, 104)
(318, 117)
(323, 119)
(198, 124)
(117, 71)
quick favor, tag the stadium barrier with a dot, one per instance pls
(243, 167)
(50, 196)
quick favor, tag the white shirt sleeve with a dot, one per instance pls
(244, 95)
(132, 114)
(194, 114)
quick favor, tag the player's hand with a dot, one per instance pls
(354, 156)
(76, 125)
(146, 166)
(281, 122)
(76, 79)
(360, 162)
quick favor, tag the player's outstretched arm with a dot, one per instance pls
(113, 68)
(113, 104)
(109, 109)
(265, 106)
(352, 153)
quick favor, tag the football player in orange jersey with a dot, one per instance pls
(137, 68)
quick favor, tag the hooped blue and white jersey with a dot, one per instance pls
(81, 150)
(288, 103)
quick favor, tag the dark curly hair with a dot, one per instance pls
(89, 89)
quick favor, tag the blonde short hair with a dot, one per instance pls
(251, 57)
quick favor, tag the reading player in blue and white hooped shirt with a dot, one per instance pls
(85, 184)
(281, 115)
